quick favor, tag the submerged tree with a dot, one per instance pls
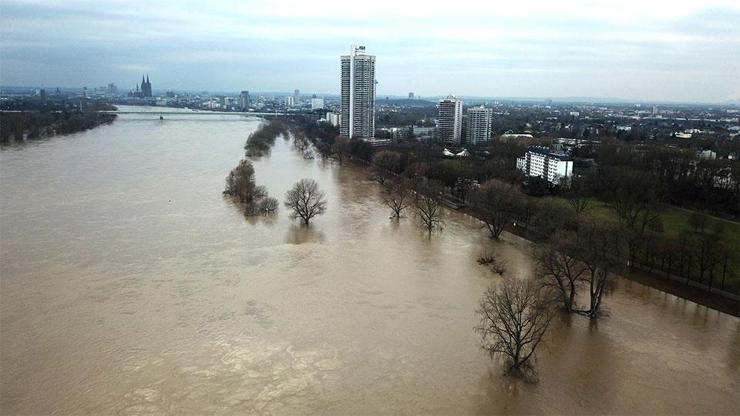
(560, 269)
(427, 206)
(240, 182)
(340, 148)
(602, 250)
(398, 198)
(268, 206)
(305, 200)
(241, 185)
(514, 317)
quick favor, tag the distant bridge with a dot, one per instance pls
(194, 113)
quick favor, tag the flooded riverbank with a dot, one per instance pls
(129, 285)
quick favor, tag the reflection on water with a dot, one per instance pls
(299, 234)
(129, 285)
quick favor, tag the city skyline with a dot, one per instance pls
(658, 51)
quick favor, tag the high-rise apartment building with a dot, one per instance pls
(244, 100)
(358, 94)
(479, 125)
(450, 120)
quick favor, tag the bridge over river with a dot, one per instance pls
(165, 112)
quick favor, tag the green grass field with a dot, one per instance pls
(675, 220)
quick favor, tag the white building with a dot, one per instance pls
(358, 94)
(317, 103)
(479, 125)
(450, 120)
(539, 161)
(515, 136)
(333, 118)
(289, 101)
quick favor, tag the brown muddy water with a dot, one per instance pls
(129, 285)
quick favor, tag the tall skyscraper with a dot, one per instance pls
(358, 94)
(450, 120)
(244, 100)
(479, 125)
(296, 96)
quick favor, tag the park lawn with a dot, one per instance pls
(675, 220)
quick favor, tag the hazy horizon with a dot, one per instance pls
(660, 51)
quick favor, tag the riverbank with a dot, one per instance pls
(717, 300)
(18, 126)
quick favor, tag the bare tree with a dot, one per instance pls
(577, 194)
(633, 197)
(428, 207)
(602, 250)
(398, 198)
(560, 269)
(340, 148)
(305, 200)
(493, 263)
(385, 164)
(514, 317)
(267, 206)
(496, 204)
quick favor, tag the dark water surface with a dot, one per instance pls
(129, 285)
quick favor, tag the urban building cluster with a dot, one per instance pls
(569, 131)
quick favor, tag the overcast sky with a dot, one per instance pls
(674, 50)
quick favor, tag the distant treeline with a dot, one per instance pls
(29, 125)
(676, 176)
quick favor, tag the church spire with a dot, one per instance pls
(147, 78)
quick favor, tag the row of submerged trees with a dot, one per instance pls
(304, 200)
(576, 255)
(632, 180)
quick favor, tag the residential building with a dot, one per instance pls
(479, 125)
(358, 94)
(289, 101)
(244, 100)
(450, 120)
(317, 103)
(333, 118)
(540, 161)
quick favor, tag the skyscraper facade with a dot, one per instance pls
(358, 94)
(479, 125)
(244, 100)
(450, 120)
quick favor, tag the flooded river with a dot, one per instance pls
(129, 285)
